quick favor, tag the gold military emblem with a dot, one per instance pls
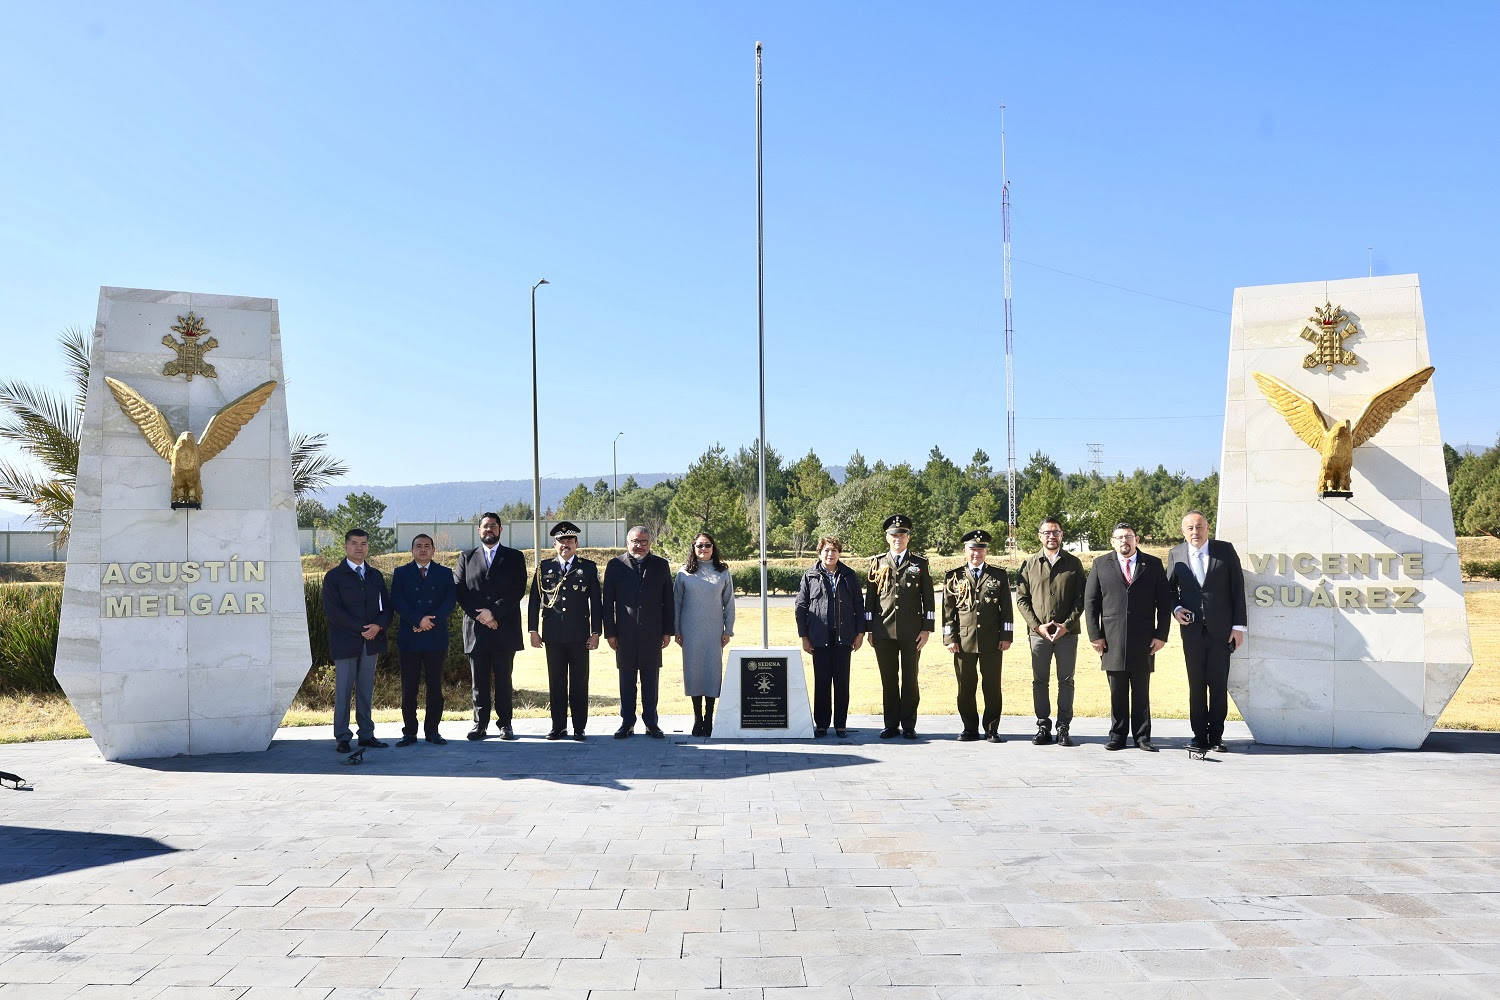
(1327, 328)
(185, 452)
(190, 349)
(1336, 440)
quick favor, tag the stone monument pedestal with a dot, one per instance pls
(764, 696)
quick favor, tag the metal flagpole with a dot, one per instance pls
(760, 280)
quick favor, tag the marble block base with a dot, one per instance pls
(727, 721)
(1377, 671)
(183, 631)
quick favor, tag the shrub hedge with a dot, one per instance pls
(29, 616)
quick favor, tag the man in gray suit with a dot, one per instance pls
(1208, 597)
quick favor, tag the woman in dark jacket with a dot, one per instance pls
(831, 622)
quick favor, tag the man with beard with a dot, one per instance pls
(491, 579)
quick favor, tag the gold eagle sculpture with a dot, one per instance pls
(185, 452)
(1336, 440)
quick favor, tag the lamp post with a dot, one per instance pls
(614, 495)
(536, 448)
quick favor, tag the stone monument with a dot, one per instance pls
(184, 625)
(1334, 491)
(764, 696)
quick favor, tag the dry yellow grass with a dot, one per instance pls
(1476, 706)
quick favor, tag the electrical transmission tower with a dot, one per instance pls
(1096, 458)
(1011, 514)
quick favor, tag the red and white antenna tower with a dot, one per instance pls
(1012, 515)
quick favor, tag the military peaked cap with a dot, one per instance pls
(897, 522)
(977, 539)
(564, 529)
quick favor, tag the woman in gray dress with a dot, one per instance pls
(704, 596)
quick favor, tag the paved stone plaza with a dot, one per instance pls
(856, 869)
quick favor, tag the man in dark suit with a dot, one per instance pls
(563, 613)
(358, 609)
(1127, 606)
(491, 580)
(978, 627)
(422, 592)
(638, 609)
(1208, 595)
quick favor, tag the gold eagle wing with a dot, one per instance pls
(1301, 413)
(1386, 403)
(153, 426)
(225, 425)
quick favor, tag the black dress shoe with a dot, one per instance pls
(699, 729)
(655, 732)
(624, 732)
(909, 734)
(578, 737)
(342, 746)
(995, 738)
(969, 737)
(1043, 735)
(889, 734)
(373, 743)
(841, 733)
(1063, 739)
(1115, 745)
(406, 741)
(558, 734)
(507, 733)
(477, 733)
(820, 732)
(1145, 745)
(1219, 747)
(436, 740)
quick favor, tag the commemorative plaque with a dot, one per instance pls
(763, 700)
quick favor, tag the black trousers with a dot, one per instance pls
(649, 676)
(975, 670)
(486, 666)
(897, 660)
(831, 686)
(1208, 683)
(1129, 704)
(1044, 652)
(568, 683)
(418, 666)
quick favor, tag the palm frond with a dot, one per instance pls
(50, 500)
(312, 467)
(75, 343)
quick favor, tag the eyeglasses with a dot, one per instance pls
(703, 545)
(1051, 532)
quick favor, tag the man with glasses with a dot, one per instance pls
(1049, 596)
(899, 615)
(1127, 606)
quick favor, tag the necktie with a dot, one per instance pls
(975, 574)
(424, 571)
(1127, 571)
(1199, 570)
(360, 569)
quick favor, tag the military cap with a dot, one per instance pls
(564, 529)
(977, 539)
(897, 522)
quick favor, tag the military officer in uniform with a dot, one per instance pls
(899, 615)
(565, 614)
(977, 626)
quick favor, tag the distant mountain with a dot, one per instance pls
(461, 501)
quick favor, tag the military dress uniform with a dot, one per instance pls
(899, 607)
(977, 615)
(565, 608)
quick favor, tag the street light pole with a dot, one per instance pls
(614, 495)
(760, 288)
(536, 448)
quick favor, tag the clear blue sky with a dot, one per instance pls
(398, 176)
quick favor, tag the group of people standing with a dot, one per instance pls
(1126, 600)
(639, 608)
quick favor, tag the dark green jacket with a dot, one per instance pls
(978, 618)
(1047, 593)
(899, 604)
